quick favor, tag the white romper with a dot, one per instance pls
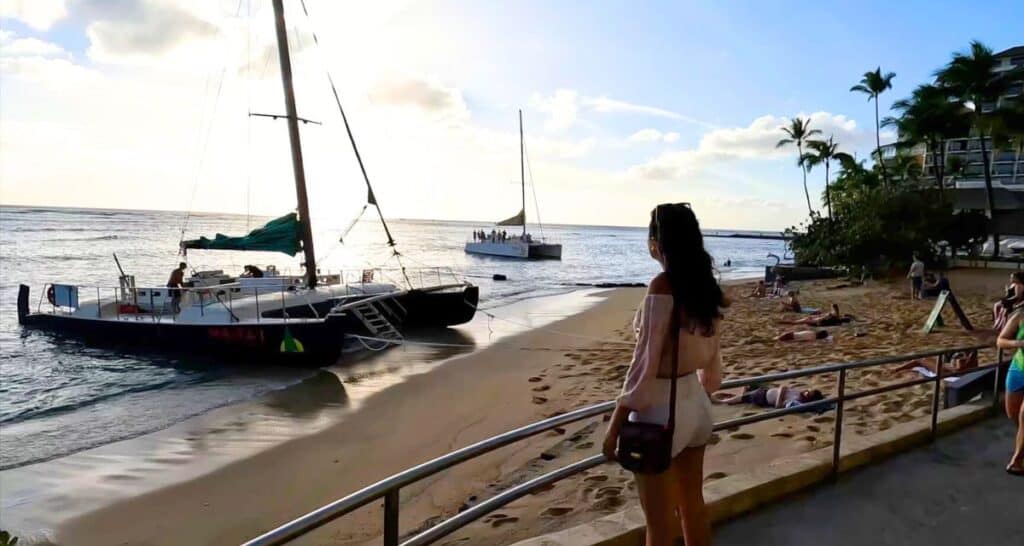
(647, 395)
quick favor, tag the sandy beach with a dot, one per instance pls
(517, 380)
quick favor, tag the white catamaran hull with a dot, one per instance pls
(516, 249)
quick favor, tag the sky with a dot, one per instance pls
(143, 104)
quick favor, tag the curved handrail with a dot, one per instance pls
(388, 488)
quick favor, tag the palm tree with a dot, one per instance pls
(930, 115)
(824, 152)
(972, 78)
(906, 167)
(874, 83)
(798, 131)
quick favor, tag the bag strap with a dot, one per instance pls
(674, 334)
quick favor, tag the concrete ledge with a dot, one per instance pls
(741, 493)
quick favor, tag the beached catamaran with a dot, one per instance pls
(274, 317)
(499, 243)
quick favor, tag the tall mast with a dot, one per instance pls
(306, 230)
(522, 172)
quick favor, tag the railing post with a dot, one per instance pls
(936, 393)
(99, 304)
(837, 440)
(391, 518)
(996, 382)
(257, 290)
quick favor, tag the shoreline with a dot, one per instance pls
(41, 496)
(403, 425)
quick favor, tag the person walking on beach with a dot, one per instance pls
(916, 276)
(678, 337)
(1012, 337)
(175, 283)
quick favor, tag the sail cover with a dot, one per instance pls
(278, 235)
(517, 220)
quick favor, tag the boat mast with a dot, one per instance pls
(306, 230)
(522, 172)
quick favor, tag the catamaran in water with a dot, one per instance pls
(272, 317)
(499, 242)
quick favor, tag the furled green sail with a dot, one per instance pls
(278, 235)
(517, 220)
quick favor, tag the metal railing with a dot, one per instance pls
(389, 488)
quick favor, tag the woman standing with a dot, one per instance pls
(1012, 337)
(678, 335)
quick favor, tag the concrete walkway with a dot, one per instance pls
(953, 492)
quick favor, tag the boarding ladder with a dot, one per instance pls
(375, 321)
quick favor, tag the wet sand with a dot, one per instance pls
(517, 380)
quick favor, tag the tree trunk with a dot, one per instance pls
(828, 197)
(939, 155)
(989, 195)
(803, 170)
(878, 145)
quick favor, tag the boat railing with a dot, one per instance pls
(389, 489)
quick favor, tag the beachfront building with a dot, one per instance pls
(968, 181)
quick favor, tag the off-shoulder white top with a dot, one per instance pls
(651, 359)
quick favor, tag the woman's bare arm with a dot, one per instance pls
(1008, 336)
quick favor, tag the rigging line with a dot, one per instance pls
(371, 198)
(248, 119)
(533, 188)
(205, 143)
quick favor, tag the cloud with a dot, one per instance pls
(128, 31)
(653, 135)
(38, 14)
(562, 108)
(755, 141)
(12, 46)
(426, 94)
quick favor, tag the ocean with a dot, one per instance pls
(59, 396)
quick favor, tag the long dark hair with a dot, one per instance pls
(675, 230)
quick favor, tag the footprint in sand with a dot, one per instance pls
(824, 419)
(585, 445)
(541, 388)
(596, 478)
(539, 400)
(715, 476)
(813, 428)
(610, 491)
(535, 379)
(556, 511)
(504, 521)
(742, 436)
(782, 434)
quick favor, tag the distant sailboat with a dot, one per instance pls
(499, 243)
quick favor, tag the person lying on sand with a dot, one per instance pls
(803, 335)
(959, 362)
(791, 305)
(769, 397)
(832, 318)
(758, 291)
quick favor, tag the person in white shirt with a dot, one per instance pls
(916, 276)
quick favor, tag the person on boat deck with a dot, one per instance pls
(175, 283)
(253, 272)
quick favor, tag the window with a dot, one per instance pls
(1003, 168)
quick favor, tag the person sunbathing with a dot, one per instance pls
(832, 318)
(803, 335)
(791, 305)
(758, 291)
(770, 397)
(959, 362)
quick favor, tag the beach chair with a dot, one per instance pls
(963, 389)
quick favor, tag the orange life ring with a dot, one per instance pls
(50, 297)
